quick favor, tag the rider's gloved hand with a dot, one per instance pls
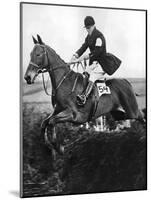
(84, 57)
(74, 57)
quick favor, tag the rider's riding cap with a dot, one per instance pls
(89, 21)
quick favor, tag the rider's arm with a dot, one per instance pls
(98, 50)
(83, 57)
(83, 48)
(74, 57)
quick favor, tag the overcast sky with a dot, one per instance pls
(61, 27)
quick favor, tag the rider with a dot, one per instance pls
(99, 61)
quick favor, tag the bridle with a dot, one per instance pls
(42, 70)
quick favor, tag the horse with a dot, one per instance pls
(67, 84)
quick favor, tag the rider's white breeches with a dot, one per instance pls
(96, 72)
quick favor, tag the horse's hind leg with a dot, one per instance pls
(141, 117)
(130, 106)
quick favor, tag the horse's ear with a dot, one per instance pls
(39, 39)
(34, 40)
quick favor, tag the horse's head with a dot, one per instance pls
(38, 60)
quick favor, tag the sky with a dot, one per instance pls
(62, 28)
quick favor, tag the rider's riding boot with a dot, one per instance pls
(83, 97)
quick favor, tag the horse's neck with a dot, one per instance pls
(59, 66)
(58, 74)
(61, 69)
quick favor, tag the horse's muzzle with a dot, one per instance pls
(28, 79)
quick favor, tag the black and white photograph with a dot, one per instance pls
(83, 80)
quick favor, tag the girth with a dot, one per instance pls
(94, 104)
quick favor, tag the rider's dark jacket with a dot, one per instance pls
(108, 61)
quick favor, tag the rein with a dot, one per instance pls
(44, 85)
(62, 79)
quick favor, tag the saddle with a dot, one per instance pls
(100, 85)
(100, 88)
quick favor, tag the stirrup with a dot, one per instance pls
(81, 99)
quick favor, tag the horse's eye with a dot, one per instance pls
(38, 54)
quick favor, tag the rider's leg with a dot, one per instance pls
(82, 98)
(96, 73)
(93, 77)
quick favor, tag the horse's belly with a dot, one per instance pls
(105, 105)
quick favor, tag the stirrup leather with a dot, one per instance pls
(83, 97)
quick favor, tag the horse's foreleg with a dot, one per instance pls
(49, 137)
(64, 116)
(45, 122)
(69, 115)
(55, 141)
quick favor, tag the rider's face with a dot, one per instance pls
(89, 29)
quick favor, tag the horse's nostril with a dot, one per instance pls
(27, 78)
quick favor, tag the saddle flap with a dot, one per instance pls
(102, 88)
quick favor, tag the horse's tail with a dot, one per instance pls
(128, 82)
(136, 94)
(139, 95)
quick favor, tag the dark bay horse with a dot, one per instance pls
(67, 84)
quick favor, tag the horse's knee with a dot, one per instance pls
(45, 123)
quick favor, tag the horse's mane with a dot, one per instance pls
(56, 56)
(62, 62)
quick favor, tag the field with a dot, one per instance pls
(93, 162)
